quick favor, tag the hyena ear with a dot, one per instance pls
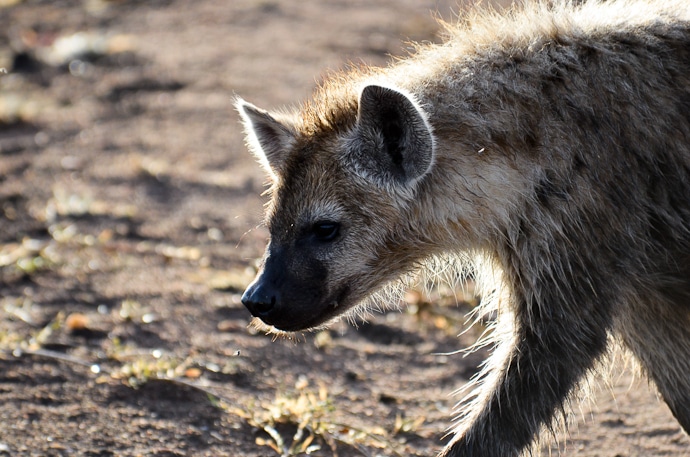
(393, 143)
(268, 137)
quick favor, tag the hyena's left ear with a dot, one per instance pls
(267, 136)
(393, 143)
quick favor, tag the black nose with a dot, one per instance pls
(260, 299)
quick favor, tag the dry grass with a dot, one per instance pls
(304, 420)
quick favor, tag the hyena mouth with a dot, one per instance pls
(329, 311)
(304, 313)
(341, 297)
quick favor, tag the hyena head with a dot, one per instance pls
(341, 194)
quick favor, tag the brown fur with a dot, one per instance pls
(552, 145)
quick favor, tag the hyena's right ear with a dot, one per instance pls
(268, 137)
(393, 145)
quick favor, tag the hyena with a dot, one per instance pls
(551, 143)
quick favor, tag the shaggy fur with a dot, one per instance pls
(552, 144)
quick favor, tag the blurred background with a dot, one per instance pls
(130, 223)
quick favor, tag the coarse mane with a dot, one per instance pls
(528, 21)
(333, 106)
(478, 31)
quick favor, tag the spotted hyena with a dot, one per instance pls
(551, 145)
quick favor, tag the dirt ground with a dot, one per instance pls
(130, 223)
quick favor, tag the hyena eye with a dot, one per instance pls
(325, 230)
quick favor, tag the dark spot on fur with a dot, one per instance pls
(659, 229)
(524, 229)
(531, 138)
(584, 116)
(589, 54)
(549, 188)
(501, 140)
(579, 165)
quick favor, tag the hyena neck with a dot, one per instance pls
(483, 173)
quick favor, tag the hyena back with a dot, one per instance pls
(551, 142)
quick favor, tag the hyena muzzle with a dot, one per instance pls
(550, 143)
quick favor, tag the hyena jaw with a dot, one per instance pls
(554, 143)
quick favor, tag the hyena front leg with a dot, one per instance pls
(657, 331)
(554, 347)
